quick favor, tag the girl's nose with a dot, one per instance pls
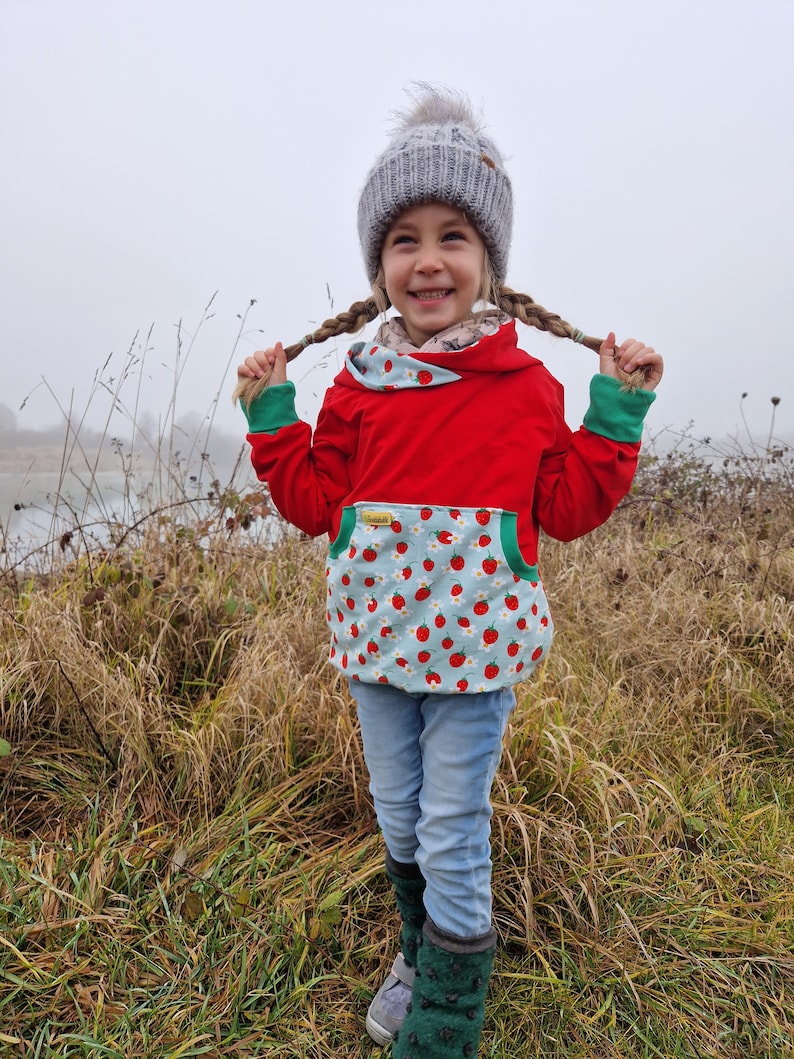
(427, 260)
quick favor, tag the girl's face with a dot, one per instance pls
(432, 260)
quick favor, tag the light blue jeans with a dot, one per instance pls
(432, 761)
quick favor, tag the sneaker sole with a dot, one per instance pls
(380, 1035)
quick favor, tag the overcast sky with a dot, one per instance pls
(155, 152)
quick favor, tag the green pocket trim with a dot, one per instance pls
(346, 527)
(512, 553)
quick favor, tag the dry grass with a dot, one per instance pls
(189, 864)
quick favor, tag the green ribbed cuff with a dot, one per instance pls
(273, 409)
(616, 413)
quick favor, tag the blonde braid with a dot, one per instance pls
(527, 310)
(346, 323)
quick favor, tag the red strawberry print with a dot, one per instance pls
(457, 660)
(456, 589)
(396, 526)
(511, 601)
(352, 553)
(534, 610)
(426, 513)
(512, 648)
(345, 579)
(370, 555)
(462, 684)
(383, 680)
(491, 671)
(339, 615)
(369, 581)
(398, 601)
(544, 621)
(362, 660)
(423, 656)
(372, 605)
(457, 562)
(387, 366)
(447, 642)
(480, 607)
(489, 565)
(373, 648)
(521, 624)
(402, 662)
(402, 547)
(490, 635)
(537, 653)
(432, 678)
(519, 666)
(354, 631)
(351, 603)
(422, 592)
(483, 516)
(454, 514)
(406, 571)
(386, 630)
(344, 660)
(464, 623)
(424, 378)
(444, 536)
(440, 621)
(484, 540)
(428, 564)
(422, 633)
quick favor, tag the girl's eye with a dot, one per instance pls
(401, 239)
(454, 235)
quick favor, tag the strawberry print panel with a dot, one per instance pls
(434, 598)
(380, 368)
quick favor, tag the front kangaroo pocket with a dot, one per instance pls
(434, 598)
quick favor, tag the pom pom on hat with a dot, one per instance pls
(438, 153)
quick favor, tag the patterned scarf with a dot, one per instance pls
(393, 335)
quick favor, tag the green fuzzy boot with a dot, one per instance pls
(389, 1005)
(409, 889)
(447, 1011)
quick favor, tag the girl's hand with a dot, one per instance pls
(628, 357)
(269, 364)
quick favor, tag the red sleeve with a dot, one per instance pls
(582, 477)
(307, 477)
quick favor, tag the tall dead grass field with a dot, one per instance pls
(189, 861)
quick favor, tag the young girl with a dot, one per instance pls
(440, 451)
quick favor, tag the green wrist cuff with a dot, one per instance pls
(616, 413)
(273, 409)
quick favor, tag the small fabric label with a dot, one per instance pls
(377, 518)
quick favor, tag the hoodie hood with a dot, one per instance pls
(444, 359)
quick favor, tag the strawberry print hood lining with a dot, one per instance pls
(392, 362)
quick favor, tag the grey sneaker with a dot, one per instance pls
(389, 1005)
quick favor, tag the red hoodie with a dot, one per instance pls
(444, 465)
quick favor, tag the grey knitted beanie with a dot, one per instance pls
(438, 154)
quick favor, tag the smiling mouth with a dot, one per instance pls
(429, 295)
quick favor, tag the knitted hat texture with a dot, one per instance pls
(438, 154)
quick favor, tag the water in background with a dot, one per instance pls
(38, 507)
